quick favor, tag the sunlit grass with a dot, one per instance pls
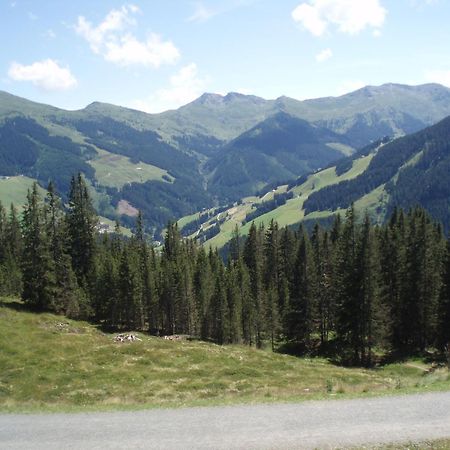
(14, 190)
(51, 363)
(116, 170)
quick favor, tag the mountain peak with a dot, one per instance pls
(218, 99)
(209, 98)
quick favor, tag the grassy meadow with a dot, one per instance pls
(292, 211)
(50, 363)
(114, 170)
(14, 190)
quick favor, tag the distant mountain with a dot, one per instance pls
(281, 147)
(412, 170)
(403, 173)
(211, 151)
(361, 116)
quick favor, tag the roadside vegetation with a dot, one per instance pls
(50, 363)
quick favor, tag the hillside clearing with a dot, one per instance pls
(114, 170)
(51, 363)
(14, 190)
(292, 211)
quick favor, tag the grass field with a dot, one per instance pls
(50, 363)
(292, 211)
(14, 190)
(116, 170)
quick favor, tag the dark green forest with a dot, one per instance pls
(354, 291)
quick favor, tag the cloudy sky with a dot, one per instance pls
(155, 55)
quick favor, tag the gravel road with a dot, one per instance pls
(317, 424)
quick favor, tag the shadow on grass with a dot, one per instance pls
(16, 305)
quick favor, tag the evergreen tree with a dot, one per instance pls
(219, 312)
(82, 221)
(203, 291)
(37, 262)
(11, 247)
(302, 314)
(371, 315)
(321, 260)
(444, 304)
(147, 271)
(273, 282)
(253, 312)
(348, 280)
(130, 308)
(69, 299)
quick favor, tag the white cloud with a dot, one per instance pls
(111, 39)
(324, 55)
(348, 16)
(153, 52)
(185, 86)
(46, 74)
(50, 34)
(350, 86)
(438, 76)
(201, 13)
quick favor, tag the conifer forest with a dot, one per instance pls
(354, 290)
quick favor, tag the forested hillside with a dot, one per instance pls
(413, 169)
(280, 148)
(352, 291)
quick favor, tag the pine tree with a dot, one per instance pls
(82, 221)
(302, 316)
(272, 282)
(372, 316)
(69, 299)
(235, 245)
(37, 262)
(219, 312)
(347, 279)
(254, 312)
(444, 305)
(130, 308)
(147, 272)
(321, 256)
(11, 247)
(203, 291)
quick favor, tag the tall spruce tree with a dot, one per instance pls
(69, 299)
(254, 312)
(38, 267)
(82, 221)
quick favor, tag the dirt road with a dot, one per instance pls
(318, 424)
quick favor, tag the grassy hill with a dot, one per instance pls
(14, 190)
(49, 362)
(405, 172)
(292, 212)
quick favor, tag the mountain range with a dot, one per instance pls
(211, 152)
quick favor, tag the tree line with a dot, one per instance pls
(355, 289)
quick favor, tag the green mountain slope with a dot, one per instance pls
(405, 172)
(281, 147)
(209, 152)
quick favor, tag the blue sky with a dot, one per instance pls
(159, 54)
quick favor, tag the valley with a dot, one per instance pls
(209, 153)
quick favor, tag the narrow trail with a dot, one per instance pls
(318, 424)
